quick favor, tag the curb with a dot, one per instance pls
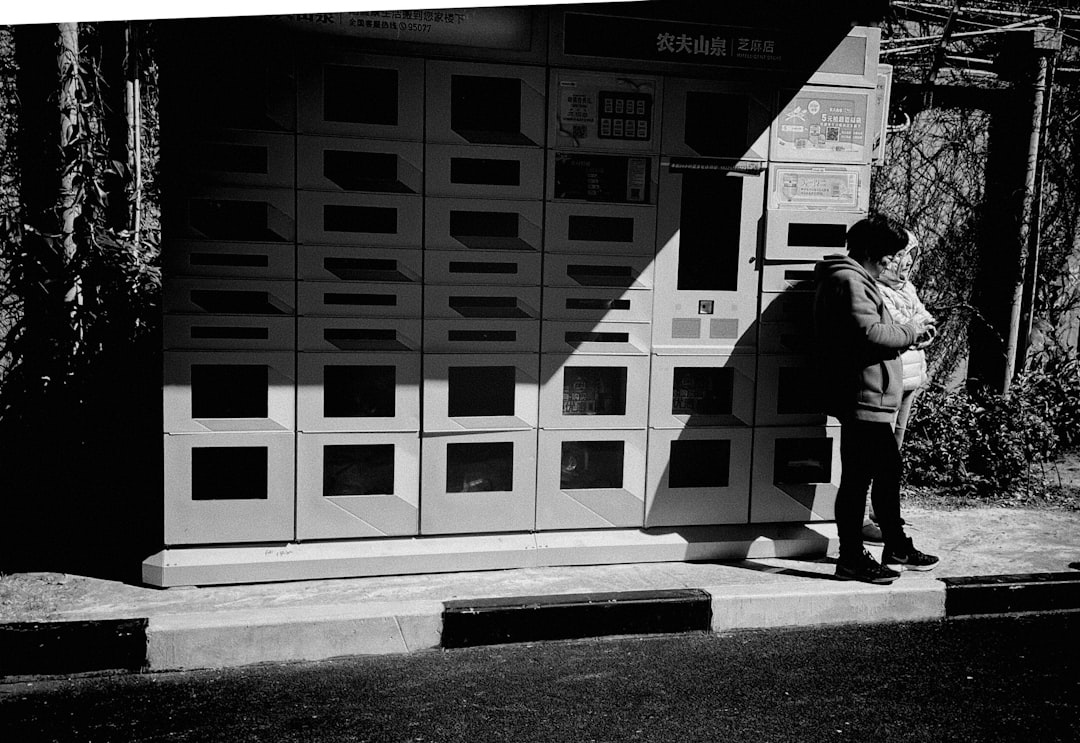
(242, 637)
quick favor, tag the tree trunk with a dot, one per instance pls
(73, 139)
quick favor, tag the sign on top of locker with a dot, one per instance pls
(604, 111)
(823, 124)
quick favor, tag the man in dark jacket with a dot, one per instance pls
(859, 349)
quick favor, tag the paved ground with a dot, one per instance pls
(235, 625)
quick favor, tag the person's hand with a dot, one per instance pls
(919, 327)
(927, 337)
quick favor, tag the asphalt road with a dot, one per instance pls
(997, 679)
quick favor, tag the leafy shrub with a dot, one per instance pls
(987, 443)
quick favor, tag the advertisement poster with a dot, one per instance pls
(823, 126)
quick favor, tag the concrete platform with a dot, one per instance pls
(70, 626)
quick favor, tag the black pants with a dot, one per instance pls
(868, 454)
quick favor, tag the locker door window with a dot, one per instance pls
(486, 110)
(480, 391)
(480, 467)
(487, 230)
(700, 463)
(702, 390)
(359, 391)
(709, 232)
(809, 235)
(235, 302)
(594, 390)
(365, 219)
(229, 157)
(803, 461)
(228, 219)
(364, 171)
(591, 464)
(717, 123)
(360, 95)
(229, 473)
(358, 469)
(485, 171)
(229, 391)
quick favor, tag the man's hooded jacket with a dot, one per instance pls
(858, 343)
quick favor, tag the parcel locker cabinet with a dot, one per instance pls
(480, 392)
(358, 392)
(806, 235)
(359, 263)
(594, 392)
(357, 485)
(480, 172)
(358, 95)
(229, 488)
(483, 224)
(360, 219)
(238, 158)
(221, 85)
(698, 476)
(478, 482)
(786, 322)
(709, 119)
(231, 213)
(603, 111)
(823, 125)
(590, 479)
(790, 391)
(345, 164)
(208, 391)
(796, 474)
(707, 241)
(485, 104)
(713, 390)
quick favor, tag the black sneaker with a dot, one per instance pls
(906, 557)
(866, 569)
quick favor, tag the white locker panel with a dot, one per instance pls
(481, 335)
(789, 391)
(485, 104)
(233, 213)
(229, 259)
(792, 235)
(823, 125)
(478, 172)
(569, 337)
(778, 277)
(238, 158)
(358, 392)
(369, 219)
(854, 60)
(479, 224)
(706, 280)
(362, 96)
(602, 177)
(206, 391)
(786, 325)
(358, 299)
(590, 479)
(610, 271)
(694, 391)
(594, 392)
(603, 111)
(826, 187)
(698, 476)
(704, 118)
(229, 488)
(352, 485)
(228, 333)
(490, 268)
(346, 164)
(358, 334)
(478, 482)
(598, 304)
(482, 302)
(354, 263)
(474, 392)
(220, 296)
(600, 229)
(796, 474)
